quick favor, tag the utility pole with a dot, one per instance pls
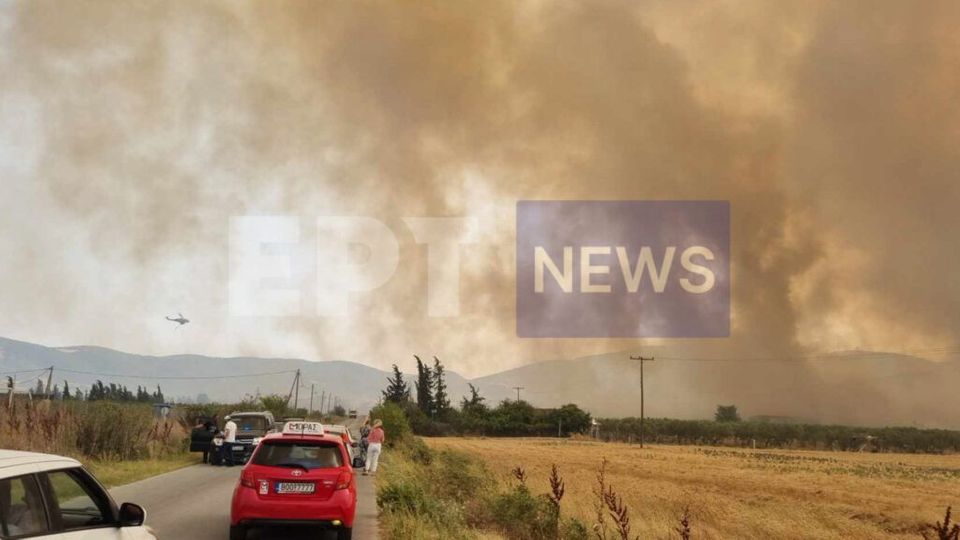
(296, 394)
(294, 391)
(518, 389)
(323, 396)
(311, 399)
(641, 359)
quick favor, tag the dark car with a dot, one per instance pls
(201, 436)
(251, 427)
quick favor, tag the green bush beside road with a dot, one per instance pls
(430, 494)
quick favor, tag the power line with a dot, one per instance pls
(848, 355)
(23, 371)
(173, 377)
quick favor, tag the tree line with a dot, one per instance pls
(98, 392)
(431, 412)
(727, 430)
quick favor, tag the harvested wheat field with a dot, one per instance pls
(737, 493)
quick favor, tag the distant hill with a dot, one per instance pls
(217, 379)
(862, 388)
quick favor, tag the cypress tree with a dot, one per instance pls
(424, 387)
(397, 390)
(440, 398)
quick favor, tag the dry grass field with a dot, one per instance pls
(735, 493)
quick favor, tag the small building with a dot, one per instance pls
(162, 410)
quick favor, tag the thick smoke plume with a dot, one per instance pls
(131, 133)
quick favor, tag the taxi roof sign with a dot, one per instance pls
(303, 428)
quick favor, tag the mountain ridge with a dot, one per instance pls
(865, 388)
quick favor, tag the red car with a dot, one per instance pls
(300, 476)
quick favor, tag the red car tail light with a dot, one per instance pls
(246, 479)
(343, 481)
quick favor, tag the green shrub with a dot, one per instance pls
(573, 529)
(395, 422)
(418, 451)
(425, 493)
(523, 515)
(404, 496)
(457, 476)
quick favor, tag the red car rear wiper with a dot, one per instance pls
(293, 465)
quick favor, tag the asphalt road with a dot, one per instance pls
(194, 504)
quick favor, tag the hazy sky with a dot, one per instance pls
(130, 134)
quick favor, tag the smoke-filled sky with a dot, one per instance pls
(130, 134)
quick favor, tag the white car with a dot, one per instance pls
(54, 497)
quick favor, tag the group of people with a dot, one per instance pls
(220, 451)
(372, 438)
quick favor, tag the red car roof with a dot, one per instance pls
(297, 437)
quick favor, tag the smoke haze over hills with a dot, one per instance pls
(902, 390)
(131, 134)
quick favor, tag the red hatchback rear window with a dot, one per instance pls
(300, 454)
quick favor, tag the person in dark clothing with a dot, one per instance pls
(211, 430)
(201, 438)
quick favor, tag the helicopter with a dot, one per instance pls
(179, 319)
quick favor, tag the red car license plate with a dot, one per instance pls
(295, 487)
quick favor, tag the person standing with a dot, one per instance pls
(204, 433)
(374, 446)
(229, 437)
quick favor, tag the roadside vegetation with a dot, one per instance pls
(439, 494)
(430, 412)
(114, 431)
(276, 404)
(728, 492)
(781, 435)
(120, 441)
(576, 481)
(98, 430)
(118, 473)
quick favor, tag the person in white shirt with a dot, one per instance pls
(229, 436)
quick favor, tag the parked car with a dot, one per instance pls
(300, 476)
(48, 496)
(251, 426)
(353, 447)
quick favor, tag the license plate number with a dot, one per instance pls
(295, 487)
(238, 448)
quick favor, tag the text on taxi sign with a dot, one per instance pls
(303, 428)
